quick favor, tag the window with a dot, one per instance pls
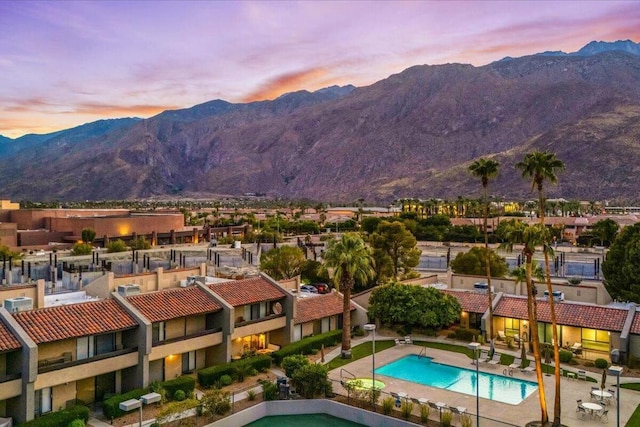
(158, 332)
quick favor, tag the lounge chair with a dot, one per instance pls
(582, 375)
(502, 336)
(495, 360)
(516, 363)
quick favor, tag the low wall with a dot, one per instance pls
(316, 406)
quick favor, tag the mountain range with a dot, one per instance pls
(412, 134)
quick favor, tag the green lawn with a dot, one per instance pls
(360, 351)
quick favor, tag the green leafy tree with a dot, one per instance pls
(398, 244)
(351, 261)
(475, 261)
(621, 267)
(605, 231)
(117, 246)
(485, 169)
(541, 167)
(88, 235)
(284, 262)
(81, 249)
(410, 305)
(311, 380)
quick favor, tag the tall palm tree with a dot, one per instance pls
(351, 261)
(486, 169)
(530, 236)
(541, 166)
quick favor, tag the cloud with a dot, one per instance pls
(284, 83)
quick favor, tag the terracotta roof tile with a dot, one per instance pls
(7, 340)
(635, 325)
(472, 302)
(318, 307)
(581, 315)
(74, 320)
(247, 291)
(174, 303)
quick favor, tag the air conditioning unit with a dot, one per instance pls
(128, 290)
(558, 296)
(14, 305)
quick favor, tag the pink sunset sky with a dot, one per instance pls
(64, 63)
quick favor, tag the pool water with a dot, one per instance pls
(306, 420)
(423, 370)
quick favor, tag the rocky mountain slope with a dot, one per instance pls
(410, 135)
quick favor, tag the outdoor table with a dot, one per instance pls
(592, 407)
(601, 394)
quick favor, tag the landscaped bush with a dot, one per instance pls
(61, 418)
(207, 377)
(110, 407)
(225, 380)
(565, 356)
(305, 345)
(601, 363)
(184, 383)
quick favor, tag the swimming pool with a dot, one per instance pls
(423, 370)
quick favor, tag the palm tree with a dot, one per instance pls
(486, 169)
(351, 261)
(541, 166)
(531, 236)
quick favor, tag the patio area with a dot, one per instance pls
(572, 390)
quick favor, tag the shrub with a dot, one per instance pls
(179, 395)
(269, 390)
(424, 413)
(110, 407)
(61, 418)
(445, 418)
(565, 356)
(406, 408)
(225, 380)
(387, 405)
(184, 383)
(305, 345)
(251, 395)
(601, 363)
(292, 363)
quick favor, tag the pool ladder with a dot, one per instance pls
(423, 353)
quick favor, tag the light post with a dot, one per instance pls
(617, 371)
(146, 399)
(372, 327)
(475, 346)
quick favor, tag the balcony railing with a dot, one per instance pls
(262, 319)
(186, 337)
(53, 364)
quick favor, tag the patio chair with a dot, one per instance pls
(495, 360)
(516, 363)
(582, 375)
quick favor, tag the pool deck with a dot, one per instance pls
(519, 414)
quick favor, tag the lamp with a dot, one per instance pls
(372, 327)
(475, 346)
(146, 399)
(617, 371)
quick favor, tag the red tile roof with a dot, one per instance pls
(174, 303)
(635, 325)
(7, 340)
(247, 291)
(74, 320)
(581, 315)
(472, 302)
(318, 307)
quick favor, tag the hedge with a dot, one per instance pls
(307, 345)
(184, 383)
(111, 408)
(61, 418)
(207, 377)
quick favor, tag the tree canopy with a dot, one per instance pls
(621, 268)
(412, 305)
(395, 248)
(284, 262)
(473, 262)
